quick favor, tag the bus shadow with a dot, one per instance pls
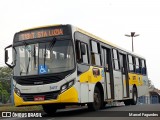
(78, 112)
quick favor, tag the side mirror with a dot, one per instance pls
(83, 49)
(6, 57)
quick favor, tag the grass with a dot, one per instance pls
(22, 109)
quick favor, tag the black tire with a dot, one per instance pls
(97, 104)
(134, 97)
(50, 109)
(127, 102)
(103, 106)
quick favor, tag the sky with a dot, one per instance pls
(108, 19)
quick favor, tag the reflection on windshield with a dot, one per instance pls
(44, 58)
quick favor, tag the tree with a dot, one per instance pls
(5, 83)
(1, 91)
(5, 72)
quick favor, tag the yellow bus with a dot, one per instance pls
(61, 65)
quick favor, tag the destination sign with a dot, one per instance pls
(44, 32)
(40, 33)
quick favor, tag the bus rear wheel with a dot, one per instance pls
(50, 109)
(134, 97)
(127, 102)
(97, 103)
(132, 101)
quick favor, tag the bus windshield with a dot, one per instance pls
(44, 58)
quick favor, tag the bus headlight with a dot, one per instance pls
(71, 83)
(67, 85)
(64, 87)
(17, 91)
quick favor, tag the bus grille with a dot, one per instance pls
(47, 95)
(38, 80)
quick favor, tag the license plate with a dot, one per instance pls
(39, 98)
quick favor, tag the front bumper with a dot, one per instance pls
(69, 96)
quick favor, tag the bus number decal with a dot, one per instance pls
(53, 87)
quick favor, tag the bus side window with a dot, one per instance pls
(140, 66)
(78, 52)
(131, 63)
(137, 65)
(115, 60)
(143, 67)
(85, 53)
(121, 59)
(82, 52)
(95, 53)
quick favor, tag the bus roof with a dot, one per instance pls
(87, 33)
(105, 41)
(45, 26)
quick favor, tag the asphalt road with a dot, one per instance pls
(137, 112)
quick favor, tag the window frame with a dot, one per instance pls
(129, 63)
(80, 61)
(144, 67)
(115, 59)
(95, 53)
(139, 66)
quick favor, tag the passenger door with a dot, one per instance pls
(124, 71)
(107, 71)
(117, 76)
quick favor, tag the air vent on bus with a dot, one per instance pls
(37, 80)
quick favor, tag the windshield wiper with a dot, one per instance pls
(50, 46)
(25, 44)
(52, 43)
(32, 53)
(28, 65)
(45, 55)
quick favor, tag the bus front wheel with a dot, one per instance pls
(50, 109)
(96, 104)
